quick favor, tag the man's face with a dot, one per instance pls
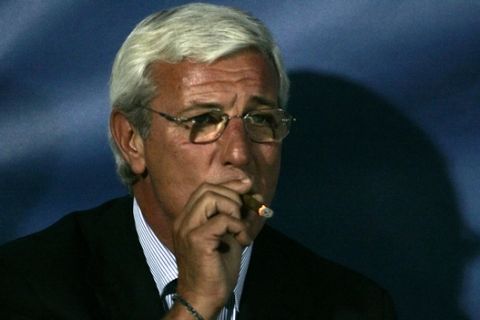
(176, 167)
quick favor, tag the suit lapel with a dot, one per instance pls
(118, 272)
(260, 298)
(276, 284)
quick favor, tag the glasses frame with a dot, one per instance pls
(182, 121)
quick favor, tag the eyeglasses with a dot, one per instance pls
(262, 126)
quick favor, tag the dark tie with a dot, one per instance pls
(231, 307)
(169, 289)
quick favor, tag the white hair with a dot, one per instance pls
(199, 32)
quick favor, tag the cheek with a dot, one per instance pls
(164, 156)
(268, 166)
(269, 157)
(174, 157)
(191, 163)
(176, 170)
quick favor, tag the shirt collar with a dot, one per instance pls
(162, 262)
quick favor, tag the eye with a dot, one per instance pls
(263, 119)
(207, 118)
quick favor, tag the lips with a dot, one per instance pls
(241, 184)
(237, 181)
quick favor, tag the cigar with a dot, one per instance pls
(255, 205)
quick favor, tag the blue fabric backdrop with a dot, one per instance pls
(381, 173)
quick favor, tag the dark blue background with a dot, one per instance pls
(381, 172)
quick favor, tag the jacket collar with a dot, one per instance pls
(117, 270)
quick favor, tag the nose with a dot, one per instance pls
(235, 144)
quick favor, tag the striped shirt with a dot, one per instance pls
(163, 265)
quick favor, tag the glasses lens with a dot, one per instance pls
(268, 125)
(207, 126)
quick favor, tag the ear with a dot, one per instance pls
(128, 141)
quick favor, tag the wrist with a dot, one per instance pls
(191, 308)
(193, 312)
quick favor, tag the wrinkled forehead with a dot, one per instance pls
(247, 73)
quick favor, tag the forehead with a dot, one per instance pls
(226, 81)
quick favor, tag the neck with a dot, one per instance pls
(159, 222)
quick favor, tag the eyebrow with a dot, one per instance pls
(264, 101)
(206, 106)
(253, 102)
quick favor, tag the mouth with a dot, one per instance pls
(240, 185)
(254, 203)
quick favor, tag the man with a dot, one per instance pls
(198, 115)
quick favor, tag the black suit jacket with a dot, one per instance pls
(90, 265)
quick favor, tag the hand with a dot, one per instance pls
(209, 237)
